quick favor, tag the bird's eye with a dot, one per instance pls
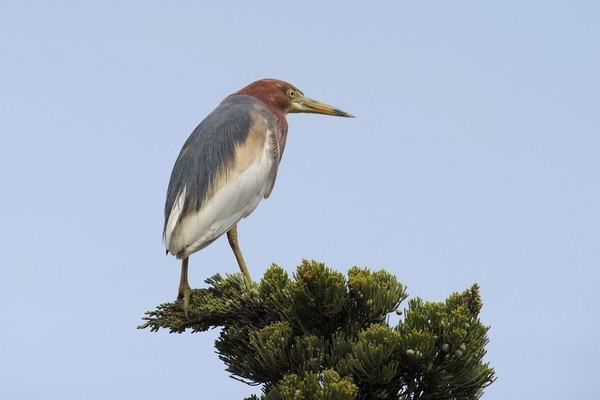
(291, 93)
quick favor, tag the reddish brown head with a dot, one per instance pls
(282, 98)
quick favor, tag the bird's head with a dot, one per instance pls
(284, 97)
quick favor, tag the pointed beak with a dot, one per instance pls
(306, 105)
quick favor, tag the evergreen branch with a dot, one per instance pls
(321, 335)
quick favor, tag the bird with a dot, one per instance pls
(225, 168)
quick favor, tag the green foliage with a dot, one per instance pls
(321, 336)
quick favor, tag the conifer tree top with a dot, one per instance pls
(321, 335)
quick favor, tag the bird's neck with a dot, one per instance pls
(272, 105)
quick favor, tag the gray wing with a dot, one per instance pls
(209, 150)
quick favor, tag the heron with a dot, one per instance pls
(227, 166)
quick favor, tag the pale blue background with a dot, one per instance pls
(474, 158)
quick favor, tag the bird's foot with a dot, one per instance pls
(185, 292)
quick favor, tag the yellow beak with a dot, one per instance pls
(306, 105)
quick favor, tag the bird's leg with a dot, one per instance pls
(232, 236)
(185, 291)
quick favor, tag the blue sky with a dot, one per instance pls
(474, 157)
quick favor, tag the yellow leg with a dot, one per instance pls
(232, 236)
(185, 291)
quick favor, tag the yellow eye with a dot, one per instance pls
(291, 93)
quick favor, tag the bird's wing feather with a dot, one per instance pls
(225, 192)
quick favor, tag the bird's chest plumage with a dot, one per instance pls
(279, 131)
(227, 166)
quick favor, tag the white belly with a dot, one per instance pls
(227, 206)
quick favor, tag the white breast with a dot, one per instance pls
(235, 200)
